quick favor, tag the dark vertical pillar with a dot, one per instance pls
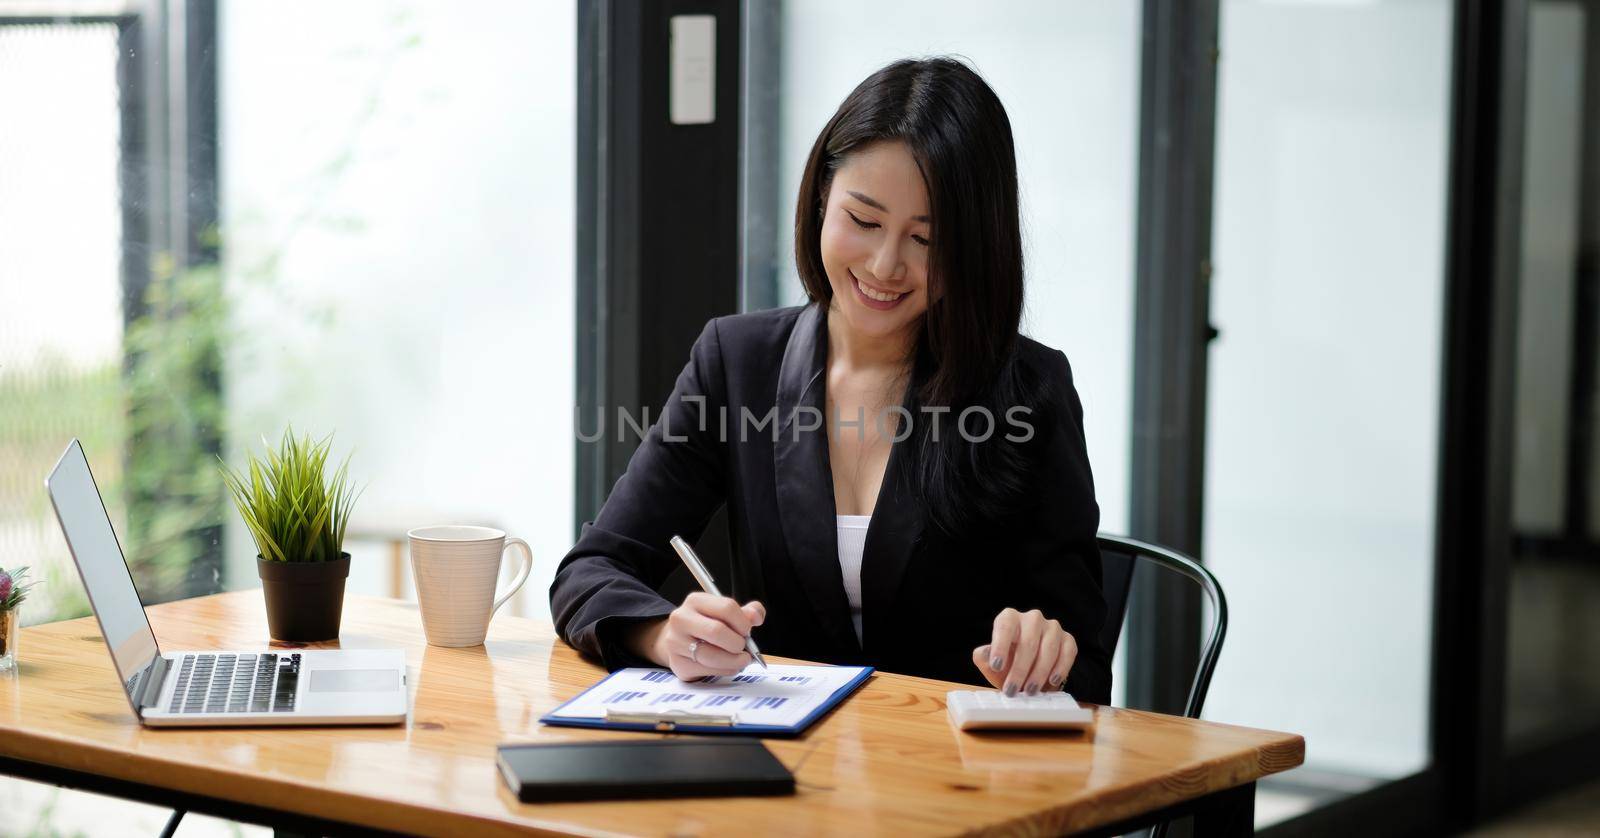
(764, 211)
(200, 126)
(133, 176)
(1474, 519)
(202, 257)
(658, 224)
(1177, 116)
(1586, 300)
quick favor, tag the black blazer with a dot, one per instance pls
(927, 599)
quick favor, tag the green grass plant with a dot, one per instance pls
(293, 510)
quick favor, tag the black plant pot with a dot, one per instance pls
(304, 599)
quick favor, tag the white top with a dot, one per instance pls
(852, 541)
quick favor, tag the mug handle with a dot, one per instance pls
(522, 575)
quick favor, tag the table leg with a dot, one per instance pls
(1227, 812)
(1230, 812)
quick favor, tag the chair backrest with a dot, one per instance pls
(1120, 557)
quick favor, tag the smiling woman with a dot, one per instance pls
(923, 503)
(931, 139)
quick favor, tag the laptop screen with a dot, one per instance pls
(105, 573)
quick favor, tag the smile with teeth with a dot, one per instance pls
(873, 293)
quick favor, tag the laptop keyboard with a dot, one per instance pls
(236, 683)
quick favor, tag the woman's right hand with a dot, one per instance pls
(703, 636)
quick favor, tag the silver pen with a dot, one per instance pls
(709, 585)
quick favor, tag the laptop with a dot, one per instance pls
(170, 689)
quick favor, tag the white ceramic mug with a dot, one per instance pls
(455, 569)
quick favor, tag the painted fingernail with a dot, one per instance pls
(1011, 690)
(997, 663)
(1055, 680)
(1033, 689)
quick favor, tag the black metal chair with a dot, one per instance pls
(1119, 558)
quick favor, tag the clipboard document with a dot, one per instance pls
(781, 699)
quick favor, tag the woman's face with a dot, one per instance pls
(874, 240)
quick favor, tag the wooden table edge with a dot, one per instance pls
(1110, 805)
(273, 793)
(1130, 801)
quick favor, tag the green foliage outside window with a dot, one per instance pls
(176, 421)
(154, 421)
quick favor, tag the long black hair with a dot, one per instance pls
(958, 133)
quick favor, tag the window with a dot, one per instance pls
(1552, 682)
(371, 237)
(1323, 414)
(397, 243)
(61, 320)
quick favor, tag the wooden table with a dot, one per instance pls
(887, 761)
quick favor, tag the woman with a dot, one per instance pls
(905, 474)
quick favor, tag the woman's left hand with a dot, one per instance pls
(1027, 653)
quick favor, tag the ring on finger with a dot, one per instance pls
(694, 651)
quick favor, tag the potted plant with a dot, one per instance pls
(297, 516)
(12, 592)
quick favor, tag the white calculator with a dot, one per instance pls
(990, 710)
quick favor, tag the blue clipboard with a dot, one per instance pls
(664, 723)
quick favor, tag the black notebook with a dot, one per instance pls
(632, 770)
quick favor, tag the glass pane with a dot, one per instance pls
(398, 234)
(60, 289)
(1068, 74)
(1552, 671)
(393, 266)
(1551, 155)
(1322, 419)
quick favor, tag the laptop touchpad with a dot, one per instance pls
(354, 680)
